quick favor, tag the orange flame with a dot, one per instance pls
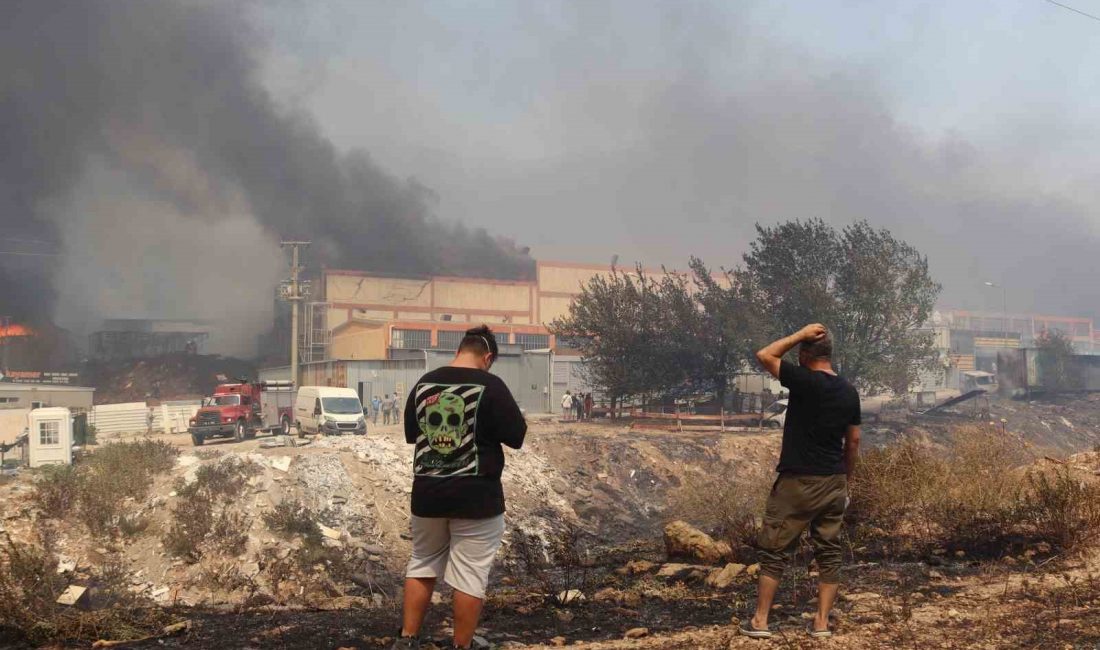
(15, 329)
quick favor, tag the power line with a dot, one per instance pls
(1077, 11)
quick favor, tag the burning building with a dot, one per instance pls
(134, 338)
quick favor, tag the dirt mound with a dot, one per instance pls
(170, 377)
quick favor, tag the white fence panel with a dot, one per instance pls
(173, 417)
(130, 417)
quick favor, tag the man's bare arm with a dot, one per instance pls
(771, 354)
(851, 449)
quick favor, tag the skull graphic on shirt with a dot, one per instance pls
(443, 423)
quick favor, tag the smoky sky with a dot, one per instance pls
(657, 130)
(162, 149)
(139, 140)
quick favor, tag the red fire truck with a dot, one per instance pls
(241, 409)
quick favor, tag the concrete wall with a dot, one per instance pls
(567, 278)
(358, 340)
(353, 295)
(12, 423)
(71, 397)
(368, 290)
(466, 295)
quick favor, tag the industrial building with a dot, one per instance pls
(365, 316)
(370, 322)
(526, 373)
(988, 329)
(970, 341)
(19, 396)
(133, 338)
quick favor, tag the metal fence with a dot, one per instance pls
(137, 417)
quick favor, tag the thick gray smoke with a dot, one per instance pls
(663, 129)
(138, 136)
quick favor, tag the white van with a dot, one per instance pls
(328, 410)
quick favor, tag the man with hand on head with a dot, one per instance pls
(458, 416)
(819, 452)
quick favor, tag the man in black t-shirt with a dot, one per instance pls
(457, 417)
(820, 447)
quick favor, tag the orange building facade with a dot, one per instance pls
(368, 315)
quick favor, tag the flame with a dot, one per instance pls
(15, 329)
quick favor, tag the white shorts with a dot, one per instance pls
(461, 550)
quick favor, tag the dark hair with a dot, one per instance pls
(480, 340)
(822, 349)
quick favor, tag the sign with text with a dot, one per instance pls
(62, 378)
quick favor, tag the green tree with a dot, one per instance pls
(723, 336)
(636, 333)
(872, 291)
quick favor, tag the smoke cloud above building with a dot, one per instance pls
(140, 142)
(158, 151)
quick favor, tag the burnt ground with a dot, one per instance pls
(959, 604)
(613, 483)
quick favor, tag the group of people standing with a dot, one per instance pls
(576, 407)
(459, 417)
(389, 405)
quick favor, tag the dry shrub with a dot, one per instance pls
(30, 585)
(724, 501)
(314, 567)
(978, 498)
(292, 517)
(223, 479)
(969, 495)
(96, 490)
(562, 561)
(132, 525)
(1063, 509)
(203, 520)
(55, 491)
(224, 575)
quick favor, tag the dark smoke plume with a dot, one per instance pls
(122, 119)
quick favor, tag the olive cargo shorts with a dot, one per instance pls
(797, 501)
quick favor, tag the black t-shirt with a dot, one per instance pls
(458, 418)
(819, 411)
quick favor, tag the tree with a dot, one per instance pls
(1056, 368)
(723, 336)
(637, 334)
(872, 291)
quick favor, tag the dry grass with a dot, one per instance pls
(30, 585)
(724, 501)
(971, 495)
(1063, 509)
(313, 567)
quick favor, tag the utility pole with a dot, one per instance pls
(294, 295)
(1004, 310)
